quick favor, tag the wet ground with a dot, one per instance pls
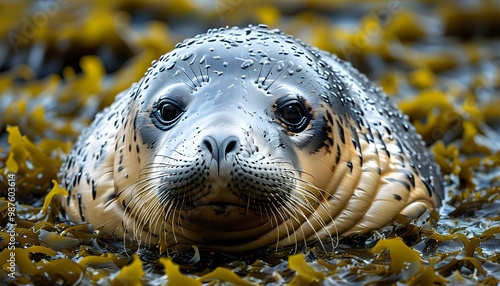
(63, 61)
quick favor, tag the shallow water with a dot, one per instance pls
(62, 63)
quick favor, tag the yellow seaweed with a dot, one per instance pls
(305, 274)
(268, 15)
(22, 155)
(490, 232)
(403, 259)
(101, 261)
(23, 261)
(427, 276)
(224, 275)
(406, 27)
(175, 277)
(49, 199)
(65, 269)
(422, 78)
(470, 143)
(130, 274)
(447, 158)
(57, 241)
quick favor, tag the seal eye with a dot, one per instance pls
(294, 115)
(166, 113)
(169, 112)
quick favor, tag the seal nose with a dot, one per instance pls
(220, 147)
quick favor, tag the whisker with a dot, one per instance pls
(285, 197)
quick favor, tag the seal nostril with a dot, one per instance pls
(231, 143)
(208, 145)
(219, 148)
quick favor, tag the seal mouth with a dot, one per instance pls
(221, 207)
(224, 205)
(222, 216)
(249, 201)
(216, 198)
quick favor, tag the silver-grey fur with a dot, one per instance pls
(240, 139)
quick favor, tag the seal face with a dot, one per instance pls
(241, 139)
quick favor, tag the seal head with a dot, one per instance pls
(240, 139)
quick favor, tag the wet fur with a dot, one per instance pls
(357, 165)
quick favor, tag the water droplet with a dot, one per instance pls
(170, 65)
(406, 126)
(264, 61)
(280, 66)
(190, 41)
(246, 64)
(186, 56)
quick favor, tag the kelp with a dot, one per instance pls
(34, 165)
(67, 62)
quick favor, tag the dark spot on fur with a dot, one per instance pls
(80, 207)
(403, 183)
(94, 190)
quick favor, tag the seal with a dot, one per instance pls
(241, 139)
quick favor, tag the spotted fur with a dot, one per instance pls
(229, 172)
